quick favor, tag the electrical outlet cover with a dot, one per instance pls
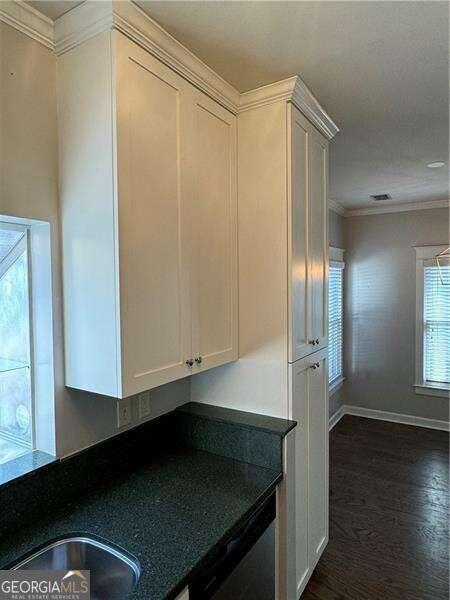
(144, 405)
(124, 416)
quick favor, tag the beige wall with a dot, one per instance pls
(335, 229)
(29, 189)
(380, 310)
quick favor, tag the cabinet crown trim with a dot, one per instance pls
(28, 20)
(92, 17)
(293, 89)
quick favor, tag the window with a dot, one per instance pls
(432, 322)
(16, 431)
(335, 317)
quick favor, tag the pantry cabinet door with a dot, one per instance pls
(308, 247)
(151, 151)
(300, 394)
(213, 233)
(300, 336)
(318, 454)
(317, 238)
(309, 402)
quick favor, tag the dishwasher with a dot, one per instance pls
(244, 569)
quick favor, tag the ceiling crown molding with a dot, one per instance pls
(93, 17)
(337, 207)
(90, 18)
(395, 208)
(29, 21)
(292, 90)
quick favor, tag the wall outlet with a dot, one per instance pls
(144, 406)
(124, 414)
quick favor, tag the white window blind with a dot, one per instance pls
(436, 326)
(335, 322)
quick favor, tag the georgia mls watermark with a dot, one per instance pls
(44, 585)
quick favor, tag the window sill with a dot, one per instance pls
(335, 385)
(24, 465)
(440, 391)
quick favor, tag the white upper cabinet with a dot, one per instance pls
(153, 238)
(165, 221)
(308, 170)
(213, 217)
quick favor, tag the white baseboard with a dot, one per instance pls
(382, 415)
(336, 417)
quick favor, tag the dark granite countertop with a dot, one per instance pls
(247, 420)
(170, 513)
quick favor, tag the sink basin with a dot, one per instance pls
(114, 573)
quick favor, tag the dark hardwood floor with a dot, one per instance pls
(389, 507)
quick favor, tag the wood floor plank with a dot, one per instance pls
(389, 508)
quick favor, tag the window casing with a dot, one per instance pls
(16, 401)
(432, 323)
(335, 317)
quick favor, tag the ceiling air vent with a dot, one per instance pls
(379, 197)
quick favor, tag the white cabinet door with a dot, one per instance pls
(318, 455)
(309, 388)
(317, 238)
(300, 386)
(307, 172)
(151, 157)
(212, 214)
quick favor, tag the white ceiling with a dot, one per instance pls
(379, 68)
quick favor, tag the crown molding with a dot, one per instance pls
(91, 18)
(28, 20)
(308, 104)
(395, 208)
(292, 89)
(337, 207)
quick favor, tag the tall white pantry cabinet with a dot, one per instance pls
(283, 300)
(177, 191)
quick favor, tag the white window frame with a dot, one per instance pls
(424, 256)
(41, 329)
(336, 259)
(21, 246)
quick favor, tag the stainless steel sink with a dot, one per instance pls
(113, 572)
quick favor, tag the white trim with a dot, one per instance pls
(336, 254)
(294, 90)
(92, 17)
(428, 252)
(28, 20)
(336, 417)
(439, 391)
(337, 207)
(423, 255)
(336, 384)
(395, 208)
(382, 415)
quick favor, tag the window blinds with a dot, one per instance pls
(437, 324)
(335, 319)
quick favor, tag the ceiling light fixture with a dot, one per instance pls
(435, 165)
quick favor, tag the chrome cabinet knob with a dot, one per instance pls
(190, 362)
(198, 360)
(317, 341)
(315, 366)
(312, 342)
